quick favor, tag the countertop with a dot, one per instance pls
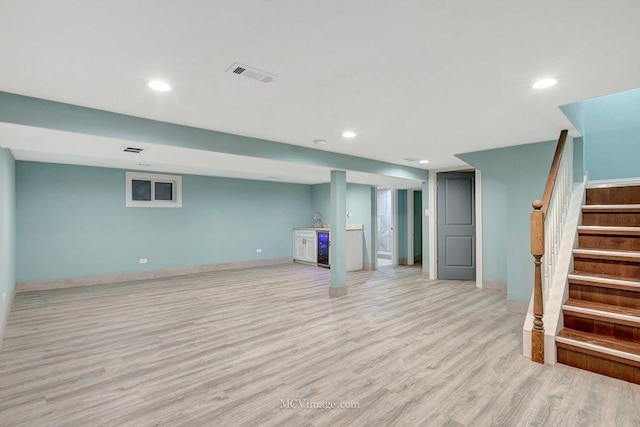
(350, 227)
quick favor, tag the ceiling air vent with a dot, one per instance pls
(252, 73)
(134, 150)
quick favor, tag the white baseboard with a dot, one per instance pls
(620, 182)
(3, 325)
(518, 307)
(75, 282)
(496, 285)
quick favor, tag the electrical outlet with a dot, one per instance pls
(258, 251)
(4, 297)
(142, 261)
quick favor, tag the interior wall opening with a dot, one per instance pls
(384, 227)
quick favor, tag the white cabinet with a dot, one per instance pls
(305, 246)
(355, 250)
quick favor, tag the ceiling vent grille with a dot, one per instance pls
(134, 150)
(252, 73)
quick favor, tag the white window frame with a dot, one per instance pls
(176, 180)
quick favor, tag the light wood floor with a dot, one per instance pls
(225, 348)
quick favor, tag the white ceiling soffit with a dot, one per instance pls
(418, 79)
(45, 145)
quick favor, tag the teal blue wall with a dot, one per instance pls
(7, 231)
(610, 126)
(338, 240)
(403, 226)
(613, 155)
(578, 159)
(358, 203)
(494, 230)
(612, 136)
(320, 202)
(72, 221)
(523, 170)
(417, 224)
(575, 114)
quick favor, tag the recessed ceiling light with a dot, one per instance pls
(424, 161)
(349, 134)
(544, 83)
(159, 85)
(319, 141)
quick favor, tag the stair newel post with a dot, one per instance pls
(537, 250)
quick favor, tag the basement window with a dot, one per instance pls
(150, 190)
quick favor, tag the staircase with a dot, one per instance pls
(602, 315)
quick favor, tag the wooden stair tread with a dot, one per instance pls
(602, 314)
(604, 281)
(611, 208)
(614, 312)
(607, 254)
(600, 344)
(609, 230)
(627, 194)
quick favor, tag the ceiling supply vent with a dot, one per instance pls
(252, 73)
(134, 150)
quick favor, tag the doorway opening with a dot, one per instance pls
(385, 219)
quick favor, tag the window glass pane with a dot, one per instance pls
(140, 190)
(164, 190)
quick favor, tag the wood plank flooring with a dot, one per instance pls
(226, 348)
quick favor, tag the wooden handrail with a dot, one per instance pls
(537, 219)
(553, 172)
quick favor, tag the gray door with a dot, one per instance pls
(456, 226)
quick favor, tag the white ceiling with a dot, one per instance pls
(423, 79)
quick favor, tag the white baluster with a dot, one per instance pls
(557, 214)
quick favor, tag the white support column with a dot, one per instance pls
(427, 236)
(478, 228)
(410, 228)
(432, 204)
